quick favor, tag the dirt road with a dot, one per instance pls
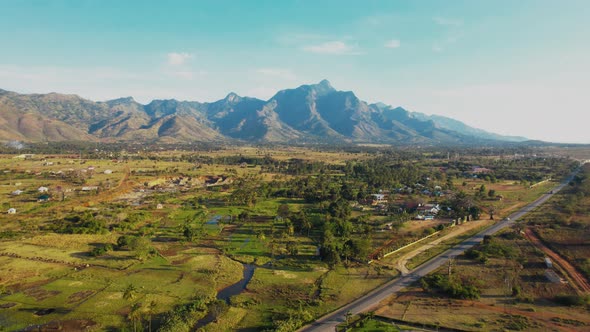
(581, 284)
(457, 230)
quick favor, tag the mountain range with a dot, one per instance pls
(309, 113)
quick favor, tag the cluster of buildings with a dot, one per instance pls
(427, 211)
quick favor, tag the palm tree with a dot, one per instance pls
(307, 225)
(151, 310)
(348, 318)
(135, 315)
(129, 292)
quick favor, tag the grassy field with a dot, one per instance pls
(149, 238)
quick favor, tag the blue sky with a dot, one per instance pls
(511, 67)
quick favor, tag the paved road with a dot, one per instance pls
(372, 299)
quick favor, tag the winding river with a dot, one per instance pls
(235, 289)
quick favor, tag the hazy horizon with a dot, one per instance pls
(512, 68)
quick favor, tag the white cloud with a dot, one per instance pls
(335, 47)
(393, 43)
(437, 48)
(286, 74)
(449, 22)
(178, 59)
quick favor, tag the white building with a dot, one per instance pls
(11, 211)
(43, 189)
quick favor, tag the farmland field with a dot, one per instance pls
(147, 240)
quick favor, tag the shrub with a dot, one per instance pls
(572, 300)
(101, 250)
(441, 284)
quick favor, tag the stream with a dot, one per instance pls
(229, 291)
(239, 286)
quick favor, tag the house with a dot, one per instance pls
(24, 156)
(11, 211)
(43, 189)
(159, 206)
(43, 198)
(89, 188)
(108, 171)
(431, 209)
(548, 262)
(17, 192)
(379, 198)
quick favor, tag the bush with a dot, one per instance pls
(476, 255)
(441, 284)
(572, 300)
(86, 223)
(124, 241)
(101, 250)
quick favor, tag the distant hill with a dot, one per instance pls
(309, 113)
(458, 126)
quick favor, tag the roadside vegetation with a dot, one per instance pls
(512, 281)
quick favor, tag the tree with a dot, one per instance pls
(129, 292)
(151, 310)
(291, 247)
(142, 247)
(348, 318)
(340, 209)
(491, 193)
(329, 250)
(135, 315)
(246, 190)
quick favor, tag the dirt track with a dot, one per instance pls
(581, 284)
(544, 316)
(402, 261)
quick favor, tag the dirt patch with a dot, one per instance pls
(7, 305)
(228, 230)
(40, 294)
(74, 325)
(168, 252)
(24, 286)
(79, 296)
(115, 296)
(181, 261)
(284, 274)
(415, 307)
